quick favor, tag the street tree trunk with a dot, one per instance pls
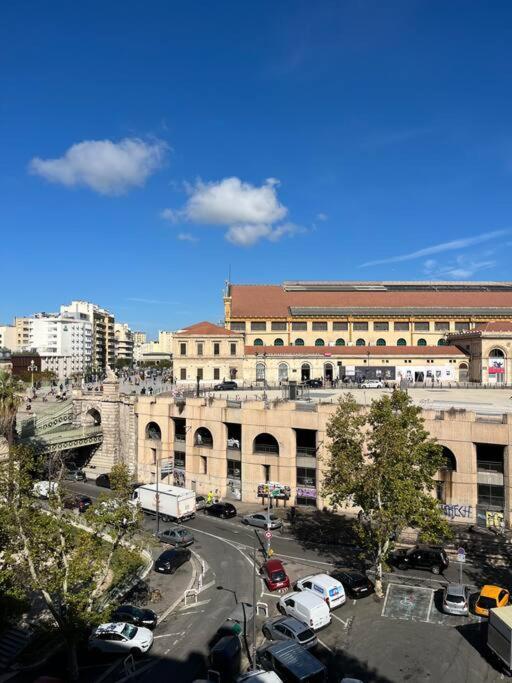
(73, 672)
(378, 579)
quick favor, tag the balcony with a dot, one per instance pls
(180, 437)
(306, 452)
(203, 442)
(266, 448)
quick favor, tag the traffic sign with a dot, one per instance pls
(268, 534)
(461, 555)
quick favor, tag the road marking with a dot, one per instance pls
(385, 600)
(430, 605)
(271, 595)
(194, 604)
(354, 602)
(168, 635)
(207, 586)
(345, 623)
(182, 597)
(326, 646)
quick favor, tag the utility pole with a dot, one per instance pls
(157, 496)
(254, 610)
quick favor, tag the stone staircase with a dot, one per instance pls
(12, 642)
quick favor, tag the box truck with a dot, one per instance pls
(174, 503)
(499, 634)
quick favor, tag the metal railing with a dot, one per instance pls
(203, 443)
(306, 451)
(489, 466)
(180, 437)
(264, 448)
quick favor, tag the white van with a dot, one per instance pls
(325, 587)
(306, 607)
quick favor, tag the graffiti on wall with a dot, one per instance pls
(454, 510)
(493, 519)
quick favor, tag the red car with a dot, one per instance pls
(274, 575)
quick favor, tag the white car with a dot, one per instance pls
(325, 587)
(42, 489)
(121, 638)
(260, 520)
(372, 384)
(234, 443)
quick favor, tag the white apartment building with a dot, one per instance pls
(103, 337)
(124, 341)
(8, 337)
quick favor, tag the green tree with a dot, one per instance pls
(67, 566)
(382, 461)
(11, 396)
(123, 363)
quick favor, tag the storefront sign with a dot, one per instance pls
(265, 489)
(306, 492)
(496, 366)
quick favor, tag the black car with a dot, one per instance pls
(430, 557)
(356, 584)
(222, 510)
(74, 473)
(170, 560)
(226, 386)
(136, 616)
(83, 503)
(314, 383)
(103, 480)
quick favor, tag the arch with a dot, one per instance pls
(463, 372)
(442, 342)
(422, 342)
(381, 342)
(203, 437)
(496, 369)
(282, 372)
(319, 342)
(450, 460)
(153, 431)
(340, 342)
(305, 372)
(299, 342)
(401, 342)
(266, 443)
(260, 371)
(496, 353)
(278, 342)
(328, 372)
(360, 342)
(258, 342)
(93, 417)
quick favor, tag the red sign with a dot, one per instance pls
(496, 371)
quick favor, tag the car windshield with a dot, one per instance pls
(129, 631)
(181, 532)
(278, 575)
(457, 599)
(307, 634)
(273, 518)
(486, 603)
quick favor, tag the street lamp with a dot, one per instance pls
(32, 368)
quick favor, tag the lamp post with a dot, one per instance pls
(32, 368)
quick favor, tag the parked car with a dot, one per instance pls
(429, 557)
(242, 614)
(372, 384)
(314, 383)
(226, 657)
(200, 502)
(259, 519)
(170, 560)
(178, 536)
(289, 628)
(491, 596)
(227, 385)
(306, 607)
(233, 443)
(456, 599)
(119, 638)
(274, 575)
(256, 676)
(42, 489)
(74, 473)
(103, 480)
(222, 510)
(136, 616)
(326, 587)
(356, 584)
(291, 662)
(83, 503)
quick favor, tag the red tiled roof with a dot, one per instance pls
(494, 326)
(354, 351)
(205, 328)
(273, 301)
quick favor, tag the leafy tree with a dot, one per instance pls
(11, 393)
(67, 566)
(382, 461)
(123, 363)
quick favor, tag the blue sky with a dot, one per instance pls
(148, 147)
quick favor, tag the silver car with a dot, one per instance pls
(178, 537)
(260, 520)
(456, 599)
(289, 628)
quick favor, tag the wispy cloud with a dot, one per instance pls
(322, 216)
(461, 268)
(140, 300)
(453, 245)
(186, 237)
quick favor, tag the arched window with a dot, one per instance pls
(360, 342)
(496, 353)
(93, 417)
(153, 431)
(463, 372)
(319, 342)
(299, 342)
(401, 342)
(282, 372)
(258, 342)
(278, 342)
(441, 342)
(260, 371)
(381, 342)
(266, 443)
(203, 437)
(450, 460)
(422, 342)
(328, 372)
(305, 372)
(340, 342)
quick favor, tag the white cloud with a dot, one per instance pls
(110, 168)
(461, 268)
(186, 237)
(322, 216)
(439, 248)
(250, 213)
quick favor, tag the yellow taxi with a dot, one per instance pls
(491, 596)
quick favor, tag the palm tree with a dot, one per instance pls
(11, 392)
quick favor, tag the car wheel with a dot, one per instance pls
(402, 565)
(436, 570)
(135, 652)
(280, 608)
(266, 633)
(244, 521)
(165, 518)
(223, 516)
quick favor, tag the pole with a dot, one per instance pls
(254, 607)
(157, 493)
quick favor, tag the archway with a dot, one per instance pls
(305, 372)
(153, 431)
(282, 372)
(203, 437)
(93, 417)
(496, 365)
(463, 372)
(444, 483)
(328, 372)
(266, 443)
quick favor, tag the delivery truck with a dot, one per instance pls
(174, 504)
(499, 634)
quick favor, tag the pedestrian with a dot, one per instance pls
(209, 498)
(293, 514)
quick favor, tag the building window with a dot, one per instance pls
(216, 373)
(200, 349)
(153, 456)
(278, 342)
(381, 326)
(238, 327)
(232, 349)
(339, 326)
(183, 373)
(258, 342)
(216, 349)
(360, 342)
(461, 327)
(277, 326)
(299, 326)
(340, 342)
(234, 469)
(199, 373)
(299, 342)
(258, 326)
(442, 342)
(400, 326)
(266, 473)
(381, 342)
(306, 476)
(260, 371)
(282, 372)
(361, 326)
(441, 326)
(422, 342)
(319, 342)
(401, 342)
(203, 464)
(183, 349)
(179, 459)
(422, 327)
(319, 326)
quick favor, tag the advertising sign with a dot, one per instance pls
(266, 489)
(306, 492)
(496, 366)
